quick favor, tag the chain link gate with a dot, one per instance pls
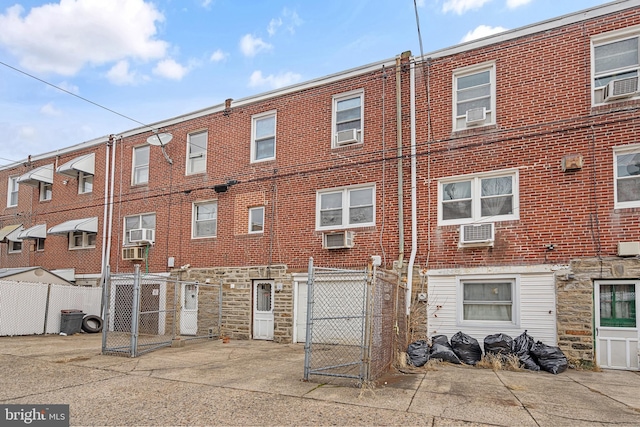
(144, 312)
(352, 322)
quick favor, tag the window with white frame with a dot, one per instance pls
(256, 219)
(140, 225)
(488, 300)
(82, 240)
(15, 247)
(616, 65)
(140, 165)
(205, 219)
(46, 191)
(197, 152)
(85, 182)
(474, 96)
(263, 137)
(348, 118)
(345, 207)
(40, 244)
(627, 177)
(478, 198)
(12, 193)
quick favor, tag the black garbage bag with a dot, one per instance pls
(550, 358)
(466, 348)
(418, 353)
(441, 349)
(501, 344)
(522, 348)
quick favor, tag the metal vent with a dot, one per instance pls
(133, 253)
(622, 88)
(474, 234)
(339, 240)
(476, 116)
(348, 136)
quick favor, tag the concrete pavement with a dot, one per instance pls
(260, 383)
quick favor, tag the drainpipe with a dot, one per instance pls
(106, 207)
(399, 156)
(111, 191)
(414, 201)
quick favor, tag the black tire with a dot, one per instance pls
(92, 324)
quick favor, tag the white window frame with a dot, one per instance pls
(608, 38)
(85, 240)
(617, 151)
(46, 191)
(193, 157)
(83, 179)
(515, 300)
(140, 219)
(345, 207)
(334, 121)
(140, 167)
(12, 189)
(251, 211)
(194, 219)
(459, 121)
(476, 191)
(254, 140)
(39, 244)
(11, 247)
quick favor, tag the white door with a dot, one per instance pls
(301, 312)
(263, 295)
(189, 309)
(617, 335)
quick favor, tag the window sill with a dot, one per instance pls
(475, 129)
(347, 146)
(80, 248)
(613, 106)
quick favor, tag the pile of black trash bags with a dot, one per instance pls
(466, 349)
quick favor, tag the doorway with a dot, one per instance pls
(263, 318)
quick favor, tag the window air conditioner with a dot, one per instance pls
(476, 116)
(621, 88)
(133, 253)
(348, 136)
(142, 235)
(477, 234)
(338, 240)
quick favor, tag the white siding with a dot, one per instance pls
(536, 304)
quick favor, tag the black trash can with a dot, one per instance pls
(70, 321)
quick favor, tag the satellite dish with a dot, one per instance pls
(160, 139)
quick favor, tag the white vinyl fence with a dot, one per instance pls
(34, 308)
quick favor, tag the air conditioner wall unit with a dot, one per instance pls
(620, 88)
(348, 136)
(476, 116)
(142, 235)
(133, 253)
(338, 240)
(477, 234)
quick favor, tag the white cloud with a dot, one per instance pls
(251, 46)
(274, 24)
(273, 81)
(218, 56)
(462, 6)
(420, 3)
(293, 20)
(50, 110)
(69, 87)
(206, 3)
(170, 69)
(120, 74)
(481, 31)
(27, 132)
(512, 4)
(64, 37)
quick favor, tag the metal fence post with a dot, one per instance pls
(368, 326)
(135, 311)
(106, 290)
(220, 310)
(307, 340)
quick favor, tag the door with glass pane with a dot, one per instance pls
(263, 295)
(616, 313)
(189, 309)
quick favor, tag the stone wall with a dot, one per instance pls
(574, 293)
(237, 311)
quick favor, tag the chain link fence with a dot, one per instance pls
(144, 312)
(355, 323)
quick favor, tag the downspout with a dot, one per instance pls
(106, 207)
(414, 201)
(111, 191)
(399, 157)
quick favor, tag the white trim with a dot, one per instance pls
(83, 178)
(193, 218)
(334, 110)
(10, 191)
(254, 119)
(497, 270)
(345, 206)
(133, 164)
(43, 191)
(616, 152)
(249, 225)
(125, 238)
(515, 300)
(188, 167)
(467, 71)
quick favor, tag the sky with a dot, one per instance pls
(134, 62)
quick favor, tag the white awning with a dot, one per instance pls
(86, 164)
(36, 176)
(36, 232)
(10, 232)
(89, 225)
